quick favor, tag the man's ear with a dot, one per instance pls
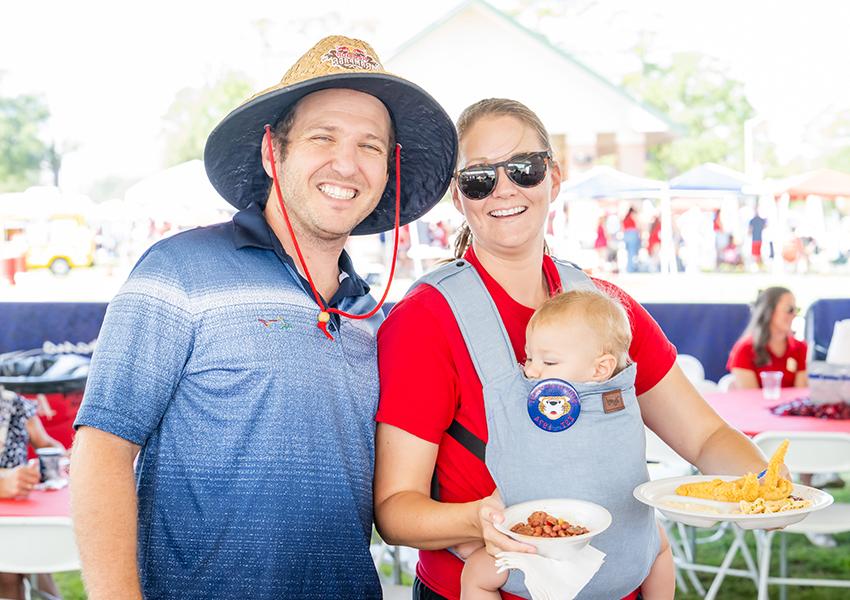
(604, 367)
(264, 153)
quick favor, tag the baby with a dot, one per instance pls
(601, 323)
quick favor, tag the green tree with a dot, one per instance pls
(195, 111)
(695, 91)
(836, 139)
(22, 151)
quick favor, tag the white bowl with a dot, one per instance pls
(577, 512)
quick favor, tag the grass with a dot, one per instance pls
(71, 585)
(804, 560)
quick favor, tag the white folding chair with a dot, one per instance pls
(706, 386)
(665, 462)
(808, 452)
(37, 545)
(692, 367)
(726, 383)
(662, 460)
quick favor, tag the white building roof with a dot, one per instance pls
(477, 51)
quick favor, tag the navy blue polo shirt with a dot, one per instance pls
(252, 229)
(254, 478)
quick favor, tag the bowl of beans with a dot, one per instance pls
(557, 527)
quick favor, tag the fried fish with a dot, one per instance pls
(747, 488)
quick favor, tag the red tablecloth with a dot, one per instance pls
(39, 504)
(749, 412)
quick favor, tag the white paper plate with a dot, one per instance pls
(661, 494)
(578, 512)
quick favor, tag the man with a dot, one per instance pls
(756, 229)
(251, 427)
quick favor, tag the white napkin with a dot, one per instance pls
(839, 346)
(550, 579)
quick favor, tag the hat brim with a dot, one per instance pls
(426, 133)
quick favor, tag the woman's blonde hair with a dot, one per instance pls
(495, 107)
(601, 312)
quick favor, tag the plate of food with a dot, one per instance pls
(767, 502)
(557, 527)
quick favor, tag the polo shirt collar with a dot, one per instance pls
(250, 229)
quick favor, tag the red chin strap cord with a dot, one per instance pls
(325, 311)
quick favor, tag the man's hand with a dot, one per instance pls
(20, 481)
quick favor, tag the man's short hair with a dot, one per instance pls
(281, 129)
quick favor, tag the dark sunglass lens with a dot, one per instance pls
(477, 182)
(526, 171)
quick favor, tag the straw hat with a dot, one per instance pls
(424, 130)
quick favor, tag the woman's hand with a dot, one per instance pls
(20, 481)
(490, 512)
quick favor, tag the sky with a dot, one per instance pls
(109, 70)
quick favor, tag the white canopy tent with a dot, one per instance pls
(181, 195)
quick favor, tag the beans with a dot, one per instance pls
(542, 524)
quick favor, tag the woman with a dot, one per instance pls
(768, 343)
(431, 415)
(19, 427)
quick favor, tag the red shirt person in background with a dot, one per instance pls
(631, 237)
(768, 343)
(654, 241)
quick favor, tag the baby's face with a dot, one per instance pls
(564, 350)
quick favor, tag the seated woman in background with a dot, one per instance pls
(768, 343)
(19, 427)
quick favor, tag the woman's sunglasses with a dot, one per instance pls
(526, 170)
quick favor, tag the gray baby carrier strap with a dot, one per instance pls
(466, 295)
(600, 458)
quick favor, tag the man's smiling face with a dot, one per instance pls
(334, 170)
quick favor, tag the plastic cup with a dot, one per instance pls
(771, 384)
(48, 463)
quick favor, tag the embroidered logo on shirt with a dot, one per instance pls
(278, 324)
(612, 401)
(791, 364)
(553, 405)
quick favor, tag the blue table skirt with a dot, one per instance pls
(706, 331)
(28, 325)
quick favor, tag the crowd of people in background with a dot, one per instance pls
(628, 238)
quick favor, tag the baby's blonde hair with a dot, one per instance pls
(602, 313)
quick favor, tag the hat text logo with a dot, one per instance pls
(350, 58)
